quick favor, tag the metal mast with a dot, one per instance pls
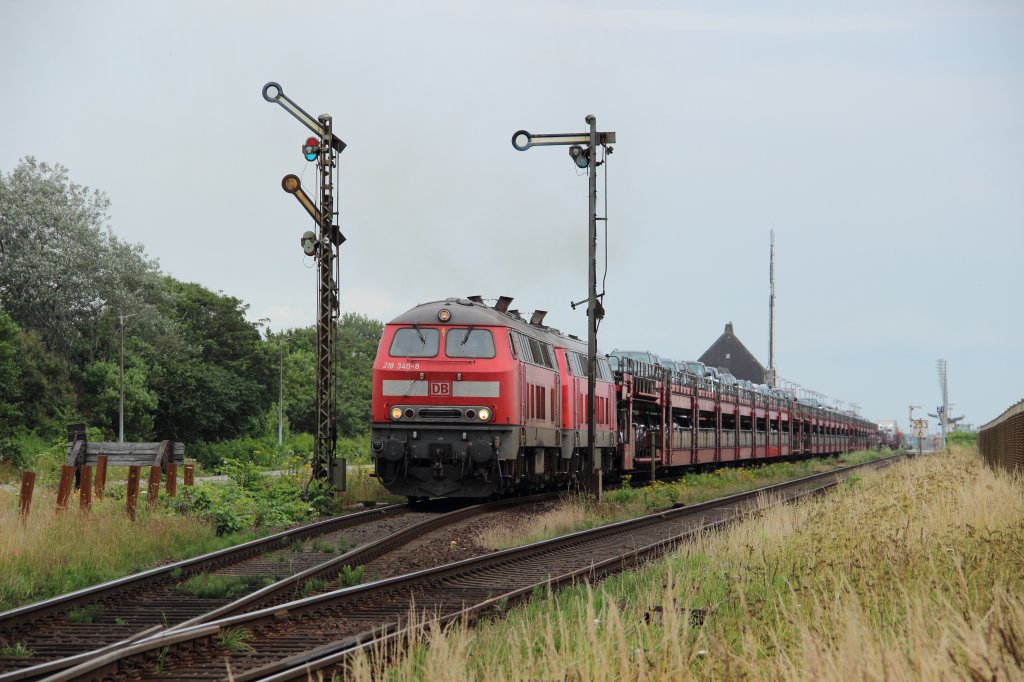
(583, 157)
(321, 245)
(324, 443)
(941, 366)
(771, 315)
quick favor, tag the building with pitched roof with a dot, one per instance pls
(729, 353)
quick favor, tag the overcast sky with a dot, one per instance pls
(884, 143)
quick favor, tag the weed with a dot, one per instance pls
(313, 586)
(236, 640)
(86, 614)
(176, 573)
(16, 650)
(120, 621)
(211, 586)
(349, 576)
(321, 545)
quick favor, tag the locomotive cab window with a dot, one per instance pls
(469, 343)
(414, 342)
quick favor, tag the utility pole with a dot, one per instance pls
(322, 246)
(120, 412)
(280, 401)
(586, 158)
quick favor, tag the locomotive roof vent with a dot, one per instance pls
(538, 317)
(503, 303)
(476, 299)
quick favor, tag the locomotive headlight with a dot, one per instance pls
(444, 314)
(396, 413)
(484, 414)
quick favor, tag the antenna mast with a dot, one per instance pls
(770, 378)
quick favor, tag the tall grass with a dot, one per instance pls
(911, 573)
(55, 553)
(580, 512)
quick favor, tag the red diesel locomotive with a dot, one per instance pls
(472, 401)
(469, 401)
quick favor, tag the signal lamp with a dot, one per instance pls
(470, 414)
(580, 155)
(309, 243)
(396, 413)
(409, 414)
(484, 414)
(444, 314)
(311, 150)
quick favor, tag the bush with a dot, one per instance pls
(965, 438)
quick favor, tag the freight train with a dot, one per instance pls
(474, 401)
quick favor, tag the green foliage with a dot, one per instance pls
(245, 474)
(236, 640)
(311, 587)
(196, 369)
(16, 650)
(965, 438)
(86, 614)
(350, 576)
(253, 500)
(212, 586)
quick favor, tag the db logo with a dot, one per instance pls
(440, 388)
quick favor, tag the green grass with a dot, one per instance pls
(236, 640)
(350, 576)
(914, 573)
(212, 586)
(16, 650)
(311, 587)
(86, 614)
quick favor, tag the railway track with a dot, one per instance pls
(321, 633)
(143, 604)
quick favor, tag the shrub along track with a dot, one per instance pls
(126, 609)
(321, 633)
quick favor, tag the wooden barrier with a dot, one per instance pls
(172, 479)
(131, 499)
(67, 477)
(190, 474)
(101, 475)
(28, 484)
(85, 489)
(153, 490)
(83, 453)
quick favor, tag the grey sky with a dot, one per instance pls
(884, 143)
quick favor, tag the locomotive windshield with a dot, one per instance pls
(413, 342)
(469, 343)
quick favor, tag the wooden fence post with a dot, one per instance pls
(101, 475)
(190, 474)
(67, 478)
(131, 500)
(172, 479)
(28, 484)
(85, 489)
(154, 484)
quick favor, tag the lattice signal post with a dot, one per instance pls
(583, 152)
(322, 245)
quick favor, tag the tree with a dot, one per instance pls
(217, 383)
(61, 268)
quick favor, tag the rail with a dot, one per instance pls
(1001, 441)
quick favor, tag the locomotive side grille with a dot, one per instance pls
(439, 413)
